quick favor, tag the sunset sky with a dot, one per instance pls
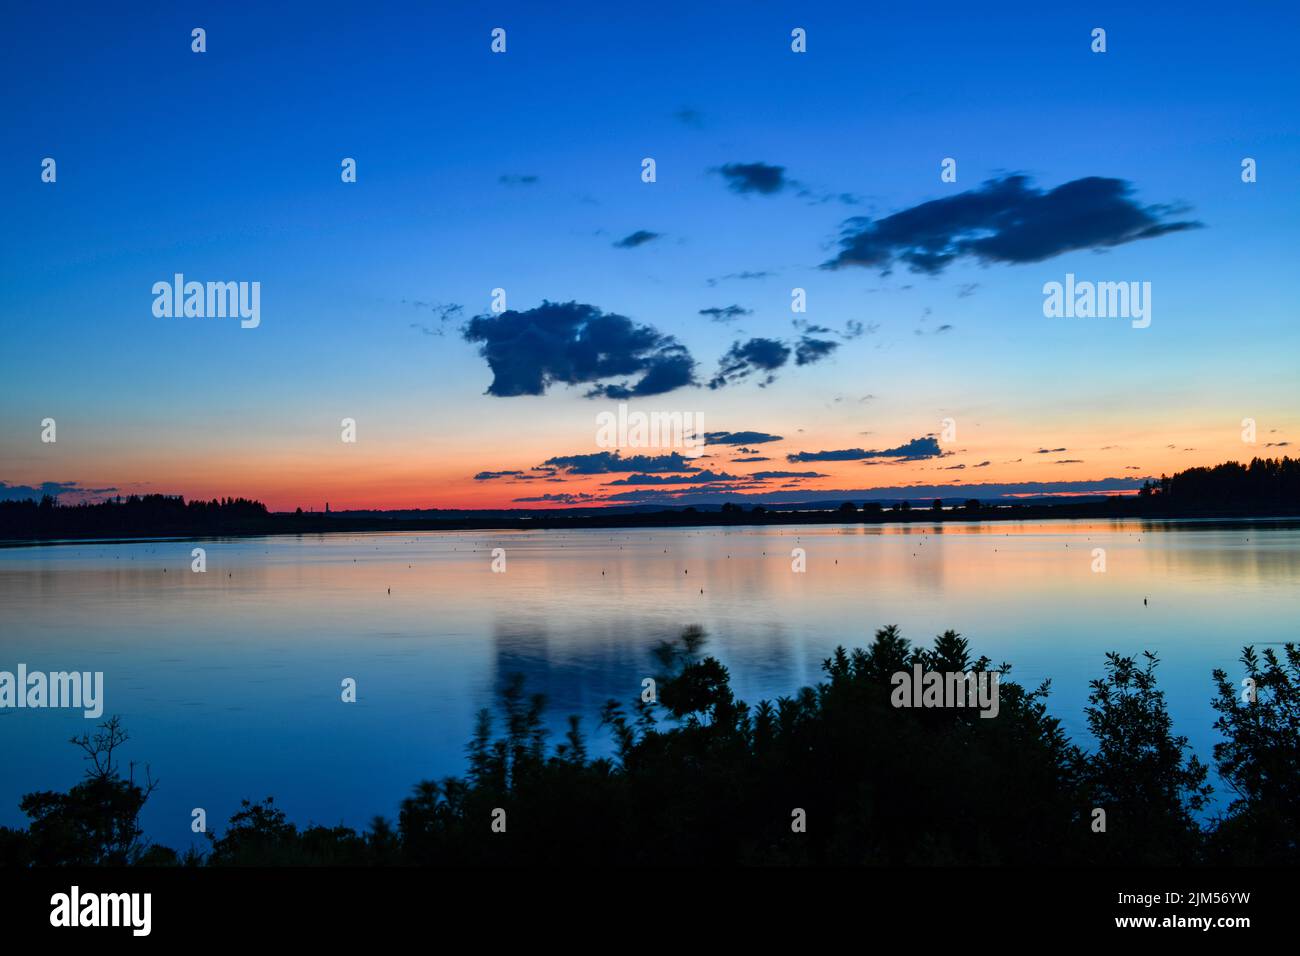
(775, 170)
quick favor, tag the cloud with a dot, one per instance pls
(1050, 451)
(810, 350)
(759, 178)
(638, 238)
(751, 458)
(572, 343)
(687, 479)
(983, 464)
(740, 275)
(606, 462)
(726, 313)
(739, 438)
(55, 489)
(914, 450)
(769, 475)
(744, 359)
(764, 357)
(562, 498)
(491, 475)
(1004, 220)
(443, 311)
(509, 180)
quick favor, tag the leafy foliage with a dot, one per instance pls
(697, 776)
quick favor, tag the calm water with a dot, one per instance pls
(229, 681)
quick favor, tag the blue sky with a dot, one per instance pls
(522, 171)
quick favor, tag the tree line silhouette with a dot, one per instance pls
(1264, 487)
(700, 777)
(1265, 481)
(131, 516)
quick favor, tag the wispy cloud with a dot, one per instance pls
(638, 238)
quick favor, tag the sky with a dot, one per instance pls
(924, 356)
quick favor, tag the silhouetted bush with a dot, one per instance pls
(697, 776)
(1259, 759)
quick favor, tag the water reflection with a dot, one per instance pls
(229, 680)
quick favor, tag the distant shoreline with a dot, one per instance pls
(290, 524)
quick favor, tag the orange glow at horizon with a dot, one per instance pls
(400, 483)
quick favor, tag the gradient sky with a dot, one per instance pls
(522, 171)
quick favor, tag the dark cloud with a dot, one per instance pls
(492, 475)
(1050, 451)
(769, 475)
(611, 462)
(754, 178)
(765, 356)
(751, 458)
(983, 464)
(509, 180)
(683, 495)
(744, 359)
(810, 350)
(66, 489)
(914, 450)
(571, 343)
(638, 238)
(739, 438)
(1004, 220)
(687, 479)
(726, 313)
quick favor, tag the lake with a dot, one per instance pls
(229, 681)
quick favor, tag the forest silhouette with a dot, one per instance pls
(698, 777)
